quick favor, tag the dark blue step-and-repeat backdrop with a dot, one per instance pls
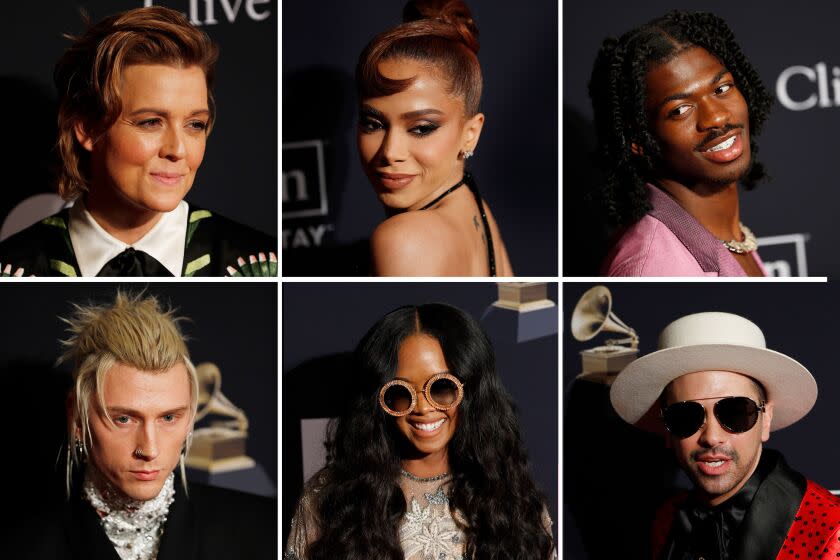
(614, 475)
(238, 177)
(794, 48)
(329, 207)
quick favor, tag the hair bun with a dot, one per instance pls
(455, 13)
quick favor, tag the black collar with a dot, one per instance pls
(772, 512)
(753, 524)
(179, 535)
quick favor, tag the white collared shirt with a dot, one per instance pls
(94, 246)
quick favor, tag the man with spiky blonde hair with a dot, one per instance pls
(132, 342)
(130, 416)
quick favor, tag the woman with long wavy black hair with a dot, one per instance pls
(427, 461)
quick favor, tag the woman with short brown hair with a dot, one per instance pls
(135, 109)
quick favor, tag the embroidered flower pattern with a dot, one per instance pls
(430, 533)
(427, 531)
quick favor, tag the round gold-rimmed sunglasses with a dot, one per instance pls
(443, 391)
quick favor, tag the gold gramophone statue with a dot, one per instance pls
(592, 315)
(523, 312)
(218, 446)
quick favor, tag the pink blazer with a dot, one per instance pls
(668, 241)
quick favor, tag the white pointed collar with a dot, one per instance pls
(94, 246)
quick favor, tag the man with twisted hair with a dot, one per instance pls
(677, 110)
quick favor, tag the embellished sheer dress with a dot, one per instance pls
(427, 531)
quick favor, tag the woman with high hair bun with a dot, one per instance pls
(427, 460)
(135, 110)
(419, 88)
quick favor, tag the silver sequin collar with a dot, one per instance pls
(134, 527)
(416, 478)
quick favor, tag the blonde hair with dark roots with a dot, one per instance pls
(88, 77)
(134, 330)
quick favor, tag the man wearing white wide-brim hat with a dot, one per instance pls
(715, 391)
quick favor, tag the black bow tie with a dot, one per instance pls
(134, 263)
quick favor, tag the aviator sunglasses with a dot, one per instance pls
(443, 391)
(736, 414)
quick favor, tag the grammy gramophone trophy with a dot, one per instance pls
(218, 451)
(593, 314)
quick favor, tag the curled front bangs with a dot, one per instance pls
(431, 44)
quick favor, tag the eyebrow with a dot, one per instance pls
(420, 113)
(367, 109)
(165, 113)
(132, 412)
(435, 373)
(686, 95)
